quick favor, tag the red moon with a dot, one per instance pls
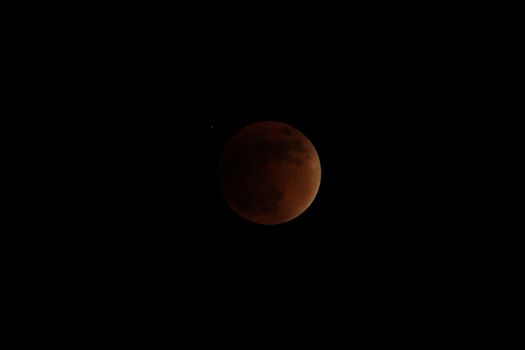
(269, 173)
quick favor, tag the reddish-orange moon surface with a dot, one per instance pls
(269, 173)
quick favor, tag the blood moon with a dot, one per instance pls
(269, 173)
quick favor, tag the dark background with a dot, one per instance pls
(117, 232)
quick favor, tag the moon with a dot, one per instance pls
(269, 173)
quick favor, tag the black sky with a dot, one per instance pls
(117, 230)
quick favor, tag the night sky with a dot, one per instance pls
(118, 233)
